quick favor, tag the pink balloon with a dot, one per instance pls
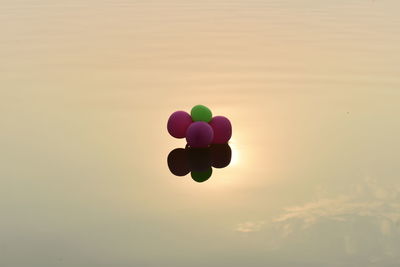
(178, 124)
(199, 134)
(222, 129)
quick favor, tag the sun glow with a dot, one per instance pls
(235, 153)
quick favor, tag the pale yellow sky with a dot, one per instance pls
(311, 88)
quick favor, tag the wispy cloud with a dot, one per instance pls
(248, 227)
(364, 222)
(368, 200)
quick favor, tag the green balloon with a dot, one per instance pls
(201, 113)
(201, 176)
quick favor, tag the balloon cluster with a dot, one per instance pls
(200, 128)
(199, 161)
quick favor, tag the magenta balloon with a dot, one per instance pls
(222, 129)
(178, 124)
(199, 134)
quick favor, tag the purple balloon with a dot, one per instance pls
(199, 134)
(222, 129)
(178, 124)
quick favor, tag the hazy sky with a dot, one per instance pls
(311, 87)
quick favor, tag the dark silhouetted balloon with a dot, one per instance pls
(178, 162)
(199, 161)
(220, 155)
(201, 176)
(199, 158)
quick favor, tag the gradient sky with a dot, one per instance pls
(312, 88)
